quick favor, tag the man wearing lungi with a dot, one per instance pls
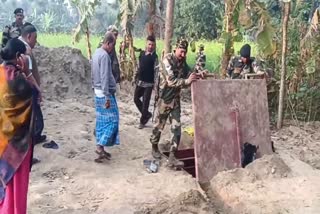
(104, 85)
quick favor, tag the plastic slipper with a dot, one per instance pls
(50, 145)
(35, 161)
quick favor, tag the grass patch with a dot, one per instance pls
(213, 49)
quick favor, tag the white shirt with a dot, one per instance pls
(29, 58)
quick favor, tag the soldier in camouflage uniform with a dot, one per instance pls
(174, 75)
(245, 64)
(13, 30)
(114, 58)
(200, 59)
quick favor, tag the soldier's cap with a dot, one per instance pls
(201, 46)
(18, 10)
(113, 29)
(245, 51)
(182, 43)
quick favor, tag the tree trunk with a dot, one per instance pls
(88, 43)
(132, 54)
(161, 7)
(161, 25)
(228, 47)
(283, 63)
(169, 26)
(151, 21)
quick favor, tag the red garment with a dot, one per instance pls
(15, 200)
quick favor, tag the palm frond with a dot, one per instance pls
(125, 13)
(86, 10)
(253, 16)
(314, 27)
(137, 6)
(128, 11)
(265, 33)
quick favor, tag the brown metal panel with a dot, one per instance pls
(228, 113)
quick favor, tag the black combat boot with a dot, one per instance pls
(155, 151)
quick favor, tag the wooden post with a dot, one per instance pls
(283, 62)
(88, 43)
(151, 14)
(169, 26)
(228, 46)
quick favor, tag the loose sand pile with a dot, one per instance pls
(267, 185)
(303, 142)
(191, 202)
(65, 72)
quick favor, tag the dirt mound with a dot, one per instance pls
(303, 142)
(65, 72)
(244, 190)
(269, 166)
(187, 203)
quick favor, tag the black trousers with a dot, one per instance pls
(143, 105)
(38, 118)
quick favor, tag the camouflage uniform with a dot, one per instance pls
(115, 66)
(237, 69)
(200, 60)
(172, 78)
(11, 31)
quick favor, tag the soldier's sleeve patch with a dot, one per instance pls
(167, 66)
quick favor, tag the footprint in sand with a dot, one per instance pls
(54, 174)
(83, 111)
(72, 154)
(83, 149)
(61, 139)
(131, 122)
(85, 135)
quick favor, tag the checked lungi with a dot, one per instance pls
(107, 122)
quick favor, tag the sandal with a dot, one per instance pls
(103, 155)
(107, 154)
(99, 160)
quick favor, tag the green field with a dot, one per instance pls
(213, 49)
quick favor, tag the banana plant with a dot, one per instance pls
(249, 15)
(127, 14)
(47, 20)
(86, 10)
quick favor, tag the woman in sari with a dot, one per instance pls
(16, 101)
